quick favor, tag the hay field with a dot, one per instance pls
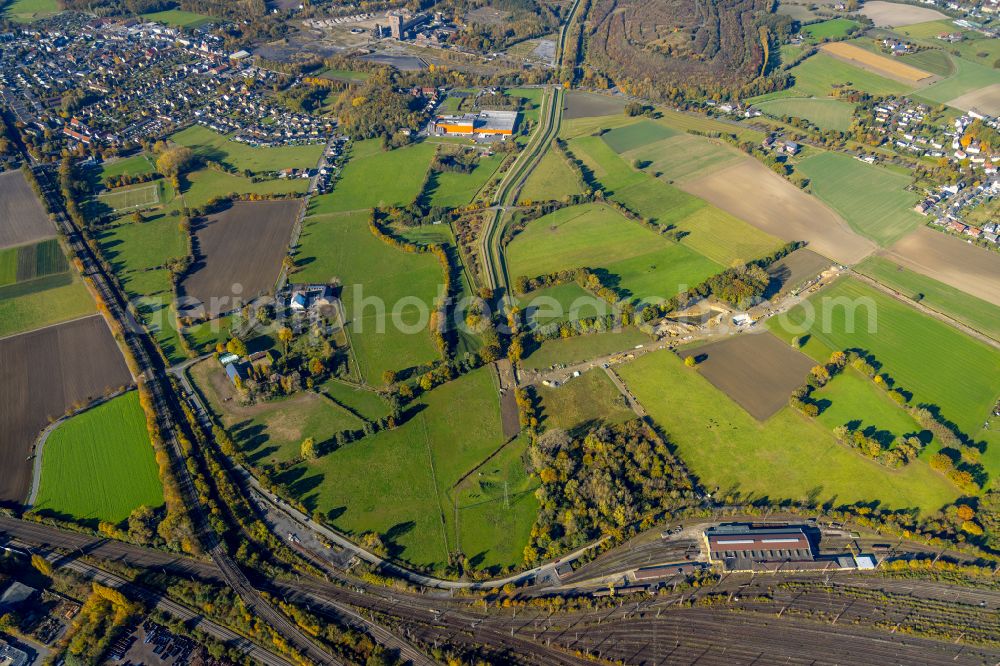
(825, 113)
(947, 259)
(893, 69)
(752, 192)
(894, 14)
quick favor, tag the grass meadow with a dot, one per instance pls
(211, 145)
(453, 189)
(99, 464)
(583, 347)
(374, 177)
(137, 165)
(29, 10)
(971, 311)
(179, 18)
(342, 246)
(728, 450)
(825, 113)
(639, 262)
(818, 74)
(553, 178)
(968, 76)
(832, 29)
(871, 199)
(206, 184)
(583, 401)
(938, 364)
(406, 491)
(852, 397)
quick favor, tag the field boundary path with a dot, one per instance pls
(39, 446)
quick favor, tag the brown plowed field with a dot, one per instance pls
(758, 371)
(754, 193)
(876, 64)
(22, 218)
(588, 105)
(241, 250)
(985, 100)
(951, 260)
(794, 270)
(42, 374)
(896, 14)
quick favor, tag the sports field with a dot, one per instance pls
(963, 383)
(582, 402)
(728, 450)
(871, 199)
(369, 165)
(123, 199)
(399, 482)
(378, 281)
(179, 18)
(210, 145)
(817, 75)
(640, 263)
(971, 311)
(99, 464)
(825, 113)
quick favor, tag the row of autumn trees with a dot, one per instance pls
(958, 459)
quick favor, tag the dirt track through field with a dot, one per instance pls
(950, 260)
(752, 192)
(22, 218)
(241, 250)
(42, 374)
(758, 371)
(876, 64)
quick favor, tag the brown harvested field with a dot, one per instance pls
(22, 218)
(893, 14)
(590, 105)
(754, 193)
(42, 374)
(793, 271)
(986, 100)
(876, 64)
(240, 253)
(758, 371)
(951, 260)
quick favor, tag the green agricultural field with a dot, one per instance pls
(818, 74)
(365, 402)
(682, 157)
(342, 246)
(399, 482)
(971, 311)
(832, 29)
(29, 10)
(937, 363)
(138, 247)
(31, 262)
(582, 402)
(583, 347)
(137, 165)
(531, 103)
(496, 509)
(729, 450)
(206, 184)
(928, 30)
(852, 397)
(453, 189)
(871, 199)
(725, 239)
(210, 145)
(643, 264)
(99, 465)
(553, 178)
(28, 311)
(934, 61)
(564, 302)
(825, 113)
(638, 134)
(179, 18)
(968, 77)
(364, 183)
